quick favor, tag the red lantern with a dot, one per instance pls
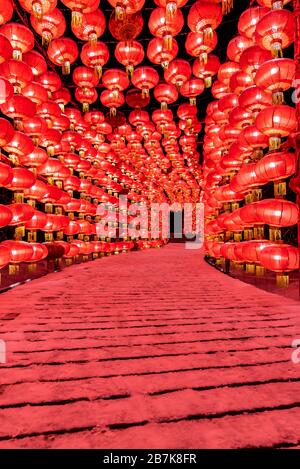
(237, 46)
(165, 27)
(192, 88)
(145, 78)
(19, 252)
(50, 81)
(128, 28)
(91, 27)
(36, 62)
(277, 167)
(129, 54)
(95, 56)
(226, 71)
(20, 37)
(276, 122)
(35, 92)
(85, 77)
(111, 100)
(35, 128)
(86, 96)
(277, 212)
(275, 31)
(49, 111)
(254, 99)
(197, 46)
(17, 73)
(115, 80)
(178, 72)
(207, 70)
(239, 82)
(280, 258)
(19, 146)
(165, 94)
(157, 53)
(6, 90)
(249, 20)
(63, 52)
(276, 76)
(51, 26)
(204, 16)
(40, 252)
(252, 58)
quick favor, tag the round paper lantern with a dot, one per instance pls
(86, 96)
(165, 27)
(275, 31)
(40, 252)
(277, 212)
(63, 52)
(254, 99)
(198, 46)
(20, 38)
(19, 146)
(6, 174)
(237, 46)
(36, 62)
(249, 20)
(50, 81)
(252, 58)
(207, 70)
(226, 71)
(276, 122)
(17, 73)
(85, 77)
(50, 26)
(129, 54)
(165, 94)
(158, 54)
(35, 128)
(112, 101)
(115, 79)
(204, 16)
(95, 56)
(276, 76)
(62, 97)
(178, 72)
(239, 82)
(20, 251)
(36, 192)
(145, 78)
(35, 92)
(277, 167)
(91, 27)
(280, 258)
(192, 88)
(127, 29)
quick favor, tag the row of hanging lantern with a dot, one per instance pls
(56, 166)
(244, 148)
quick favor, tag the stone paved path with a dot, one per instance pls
(149, 349)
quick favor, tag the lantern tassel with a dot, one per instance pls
(274, 143)
(207, 82)
(282, 280)
(37, 10)
(227, 5)
(129, 71)
(203, 58)
(98, 69)
(76, 18)
(278, 97)
(66, 68)
(168, 42)
(208, 34)
(280, 189)
(171, 9)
